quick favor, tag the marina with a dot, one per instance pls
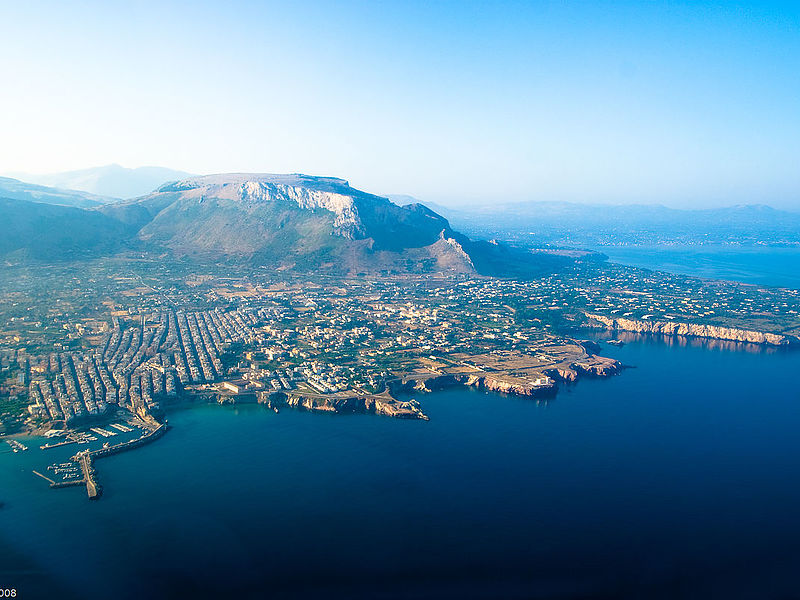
(103, 432)
(65, 470)
(120, 427)
(16, 446)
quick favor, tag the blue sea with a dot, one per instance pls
(761, 265)
(676, 479)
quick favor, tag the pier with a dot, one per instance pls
(45, 477)
(59, 484)
(66, 483)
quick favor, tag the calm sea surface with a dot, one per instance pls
(763, 266)
(677, 478)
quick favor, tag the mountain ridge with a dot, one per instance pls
(112, 180)
(287, 221)
(21, 190)
(54, 232)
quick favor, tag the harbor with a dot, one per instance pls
(86, 458)
(66, 466)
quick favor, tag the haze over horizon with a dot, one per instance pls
(454, 103)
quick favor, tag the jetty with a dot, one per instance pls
(45, 477)
(86, 459)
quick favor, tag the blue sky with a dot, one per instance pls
(685, 104)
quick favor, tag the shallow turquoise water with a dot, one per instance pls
(677, 478)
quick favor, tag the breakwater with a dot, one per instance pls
(132, 444)
(93, 488)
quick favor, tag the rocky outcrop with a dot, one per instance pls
(493, 384)
(590, 346)
(480, 381)
(597, 366)
(562, 374)
(458, 250)
(391, 407)
(379, 404)
(692, 330)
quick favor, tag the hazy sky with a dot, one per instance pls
(681, 103)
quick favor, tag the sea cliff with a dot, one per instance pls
(493, 384)
(379, 404)
(692, 330)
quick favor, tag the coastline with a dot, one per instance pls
(385, 403)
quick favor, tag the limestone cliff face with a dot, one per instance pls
(694, 330)
(346, 222)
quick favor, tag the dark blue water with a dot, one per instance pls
(779, 267)
(678, 478)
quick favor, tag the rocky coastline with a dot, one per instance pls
(378, 404)
(591, 366)
(692, 330)
(538, 385)
(387, 404)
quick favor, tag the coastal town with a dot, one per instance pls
(137, 341)
(142, 342)
(343, 348)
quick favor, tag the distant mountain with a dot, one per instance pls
(13, 188)
(305, 222)
(405, 199)
(599, 225)
(50, 232)
(111, 180)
